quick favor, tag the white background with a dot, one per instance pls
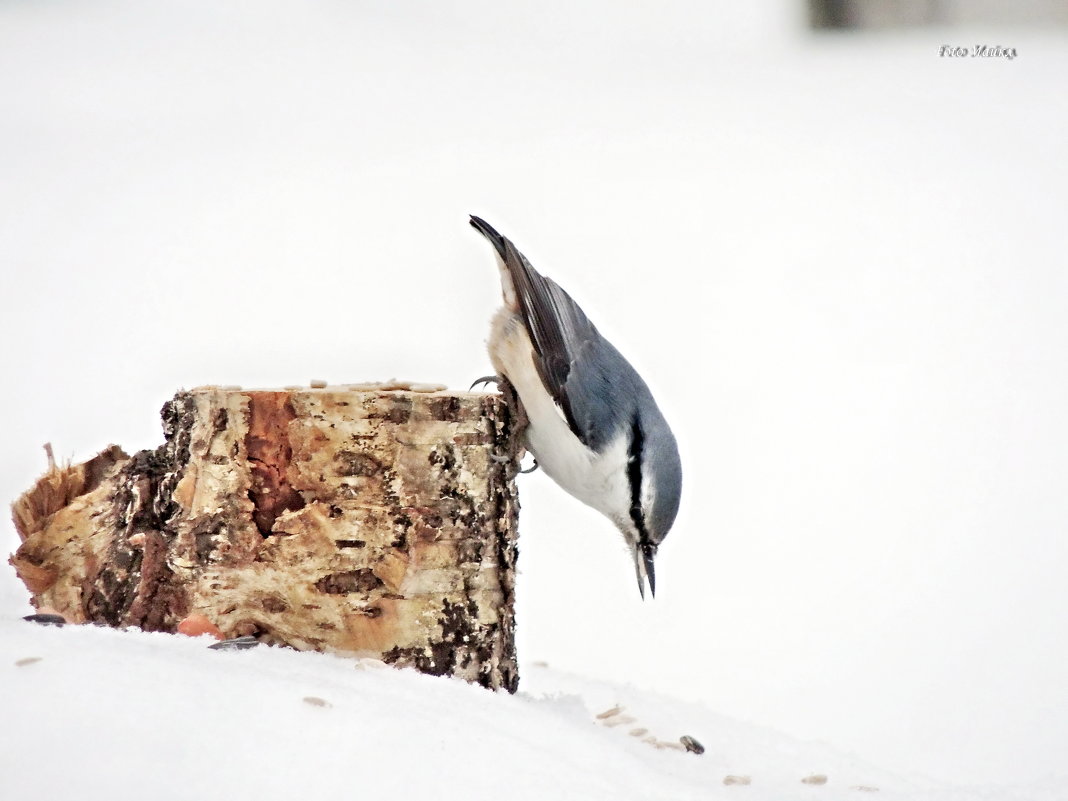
(837, 260)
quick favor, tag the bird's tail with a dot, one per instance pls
(509, 261)
(490, 233)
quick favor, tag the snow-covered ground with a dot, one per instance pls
(97, 713)
(838, 260)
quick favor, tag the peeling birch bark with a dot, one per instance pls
(369, 522)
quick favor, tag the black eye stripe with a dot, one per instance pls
(634, 478)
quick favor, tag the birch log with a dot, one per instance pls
(371, 522)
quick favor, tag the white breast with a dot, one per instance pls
(598, 480)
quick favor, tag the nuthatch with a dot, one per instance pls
(594, 427)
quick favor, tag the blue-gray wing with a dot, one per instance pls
(591, 382)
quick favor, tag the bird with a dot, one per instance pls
(594, 427)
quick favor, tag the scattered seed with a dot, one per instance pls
(815, 778)
(29, 660)
(639, 732)
(608, 713)
(369, 662)
(314, 700)
(691, 744)
(236, 644)
(729, 780)
(317, 383)
(663, 745)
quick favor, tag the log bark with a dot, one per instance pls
(374, 522)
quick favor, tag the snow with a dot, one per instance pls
(111, 714)
(838, 261)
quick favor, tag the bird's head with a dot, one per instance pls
(654, 479)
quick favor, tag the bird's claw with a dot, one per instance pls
(486, 379)
(500, 458)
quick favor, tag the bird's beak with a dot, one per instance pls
(644, 554)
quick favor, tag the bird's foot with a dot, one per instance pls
(501, 458)
(486, 379)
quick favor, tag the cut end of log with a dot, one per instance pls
(59, 486)
(375, 522)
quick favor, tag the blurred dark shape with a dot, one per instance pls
(236, 644)
(691, 744)
(46, 620)
(876, 14)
